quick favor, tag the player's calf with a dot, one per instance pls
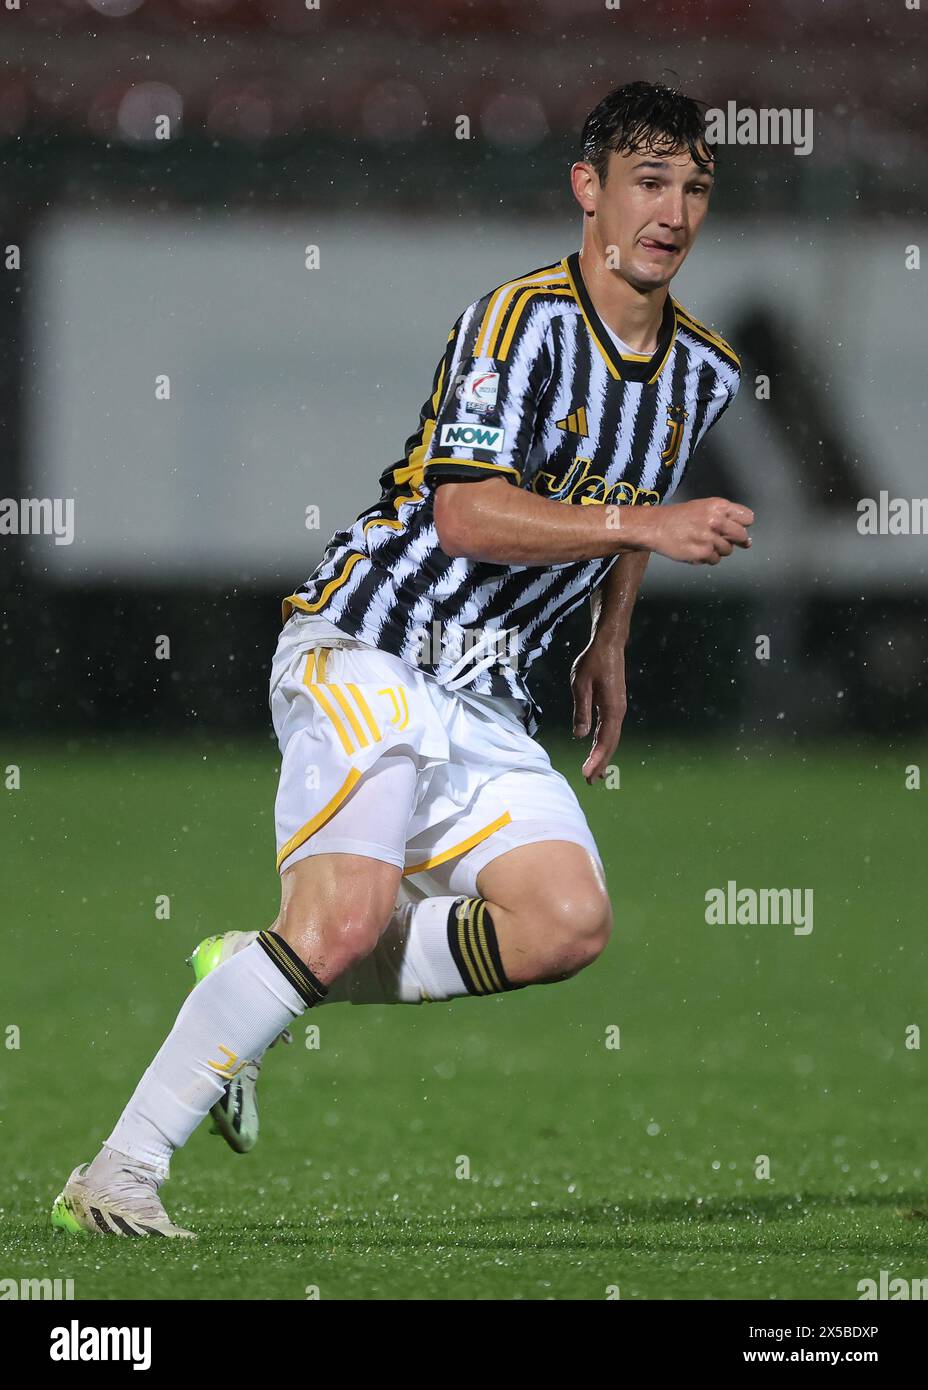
(550, 909)
(548, 941)
(573, 933)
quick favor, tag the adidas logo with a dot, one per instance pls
(574, 423)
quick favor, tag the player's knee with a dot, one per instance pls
(328, 944)
(582, 927)
(592, 927)
(334, 908)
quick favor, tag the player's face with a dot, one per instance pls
(651, 209)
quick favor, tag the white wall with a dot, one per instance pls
(292, 387)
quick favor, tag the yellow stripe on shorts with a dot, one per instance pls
(364, 707)
(319, 820)
(350, 715)
(328, 694)
(322, 699)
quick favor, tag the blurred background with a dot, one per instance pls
(337, 128)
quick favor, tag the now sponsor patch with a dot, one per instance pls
(490, 438)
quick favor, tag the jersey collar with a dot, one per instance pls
(636, 368)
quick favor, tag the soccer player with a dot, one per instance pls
(427, 849)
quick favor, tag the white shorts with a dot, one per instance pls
(378, 759)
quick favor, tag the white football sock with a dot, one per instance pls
(413, 962)
(231, 1016)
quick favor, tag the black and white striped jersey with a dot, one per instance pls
(533, 388)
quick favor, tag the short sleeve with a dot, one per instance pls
(485, 423)
(715, 407)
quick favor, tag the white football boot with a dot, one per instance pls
(113, 1196)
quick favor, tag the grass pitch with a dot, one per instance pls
(591, 1167)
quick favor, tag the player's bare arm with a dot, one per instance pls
(597, 677)
(496, 523)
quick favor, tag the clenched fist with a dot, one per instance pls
(701, 532)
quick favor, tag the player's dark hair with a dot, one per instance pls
(644, 117)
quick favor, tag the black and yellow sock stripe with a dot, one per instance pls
(473, 945)
(310, 990)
